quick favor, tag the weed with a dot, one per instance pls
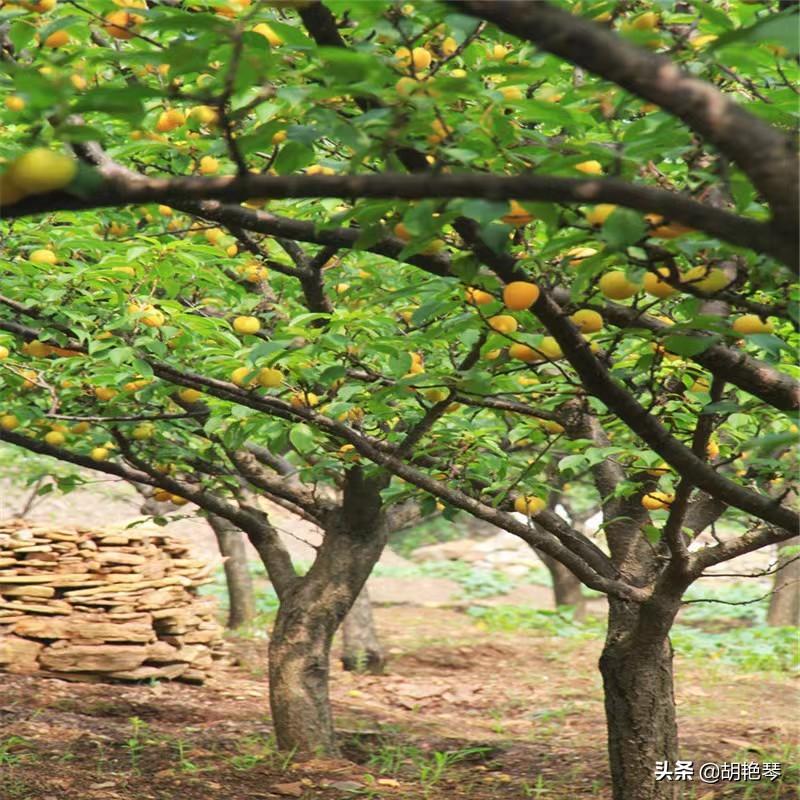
(722, 613)
(256, 750)
(13, 788)
(750, 648)
(551, 623)
(184, 764)
(433, 531)
(435, 766)
(137, 741)
(474, 581)
(389, 758)
(536, 790)
(765, 789)
(430, 767)
(497, 721)
(9, 750)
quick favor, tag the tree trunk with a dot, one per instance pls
(241, 598)
(566, 587)
(361, 648)
(784, 605)
(311, 610)
(636, 666)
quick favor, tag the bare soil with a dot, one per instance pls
(462, 713)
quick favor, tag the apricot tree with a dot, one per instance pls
(526, 248)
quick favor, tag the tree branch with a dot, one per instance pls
(597, 381)
(121, 189)
(764, 153)
(749, 374)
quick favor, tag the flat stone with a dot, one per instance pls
(93, 658)
(19, 655)
(76, 628)
(288, 789)
(168, 672)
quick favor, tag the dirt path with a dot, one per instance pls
(462, 714)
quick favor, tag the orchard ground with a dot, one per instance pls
(482, 699)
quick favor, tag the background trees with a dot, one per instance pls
(526, 248)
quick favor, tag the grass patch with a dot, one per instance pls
(750, 649)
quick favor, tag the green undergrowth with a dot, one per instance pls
(750, 649)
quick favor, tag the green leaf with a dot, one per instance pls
(427, 310)
(420, 221)
(766, 341)
(125, 103)
(293, 156)
(713, 15)
(652, 533)
(143, 368)
(570, 465)
(688, 345)
(483, 211)
(722, 407)
(59, 23)
(350, 66)
(496, 236)
(400, 364)
(86, 182)
(302, 437)
(119, 355)
(331, 374)
(79, 133)
(624, 227)
(778, 28)
(21, 33)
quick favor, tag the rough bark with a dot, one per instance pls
(361, 647)
(311, 611)
(636, 666)
(566, 586)
(239, 581)
(784, 605)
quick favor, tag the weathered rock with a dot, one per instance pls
(76, 627)
(93, 658)
(87, 606)
(55, 607)
(168, 672)
(115, 557)
(39, 590)
(19, 655)
(161, 652)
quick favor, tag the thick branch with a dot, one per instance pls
(763, 152)
(599, 382)
(126, 189)
(746, 543)
(749, 374)
(202, 498)
(573, 549)
(280, 486)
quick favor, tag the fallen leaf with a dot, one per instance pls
(287, 789)
(346, 786)
(323, 765)
(420, 692)
(742, 744)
